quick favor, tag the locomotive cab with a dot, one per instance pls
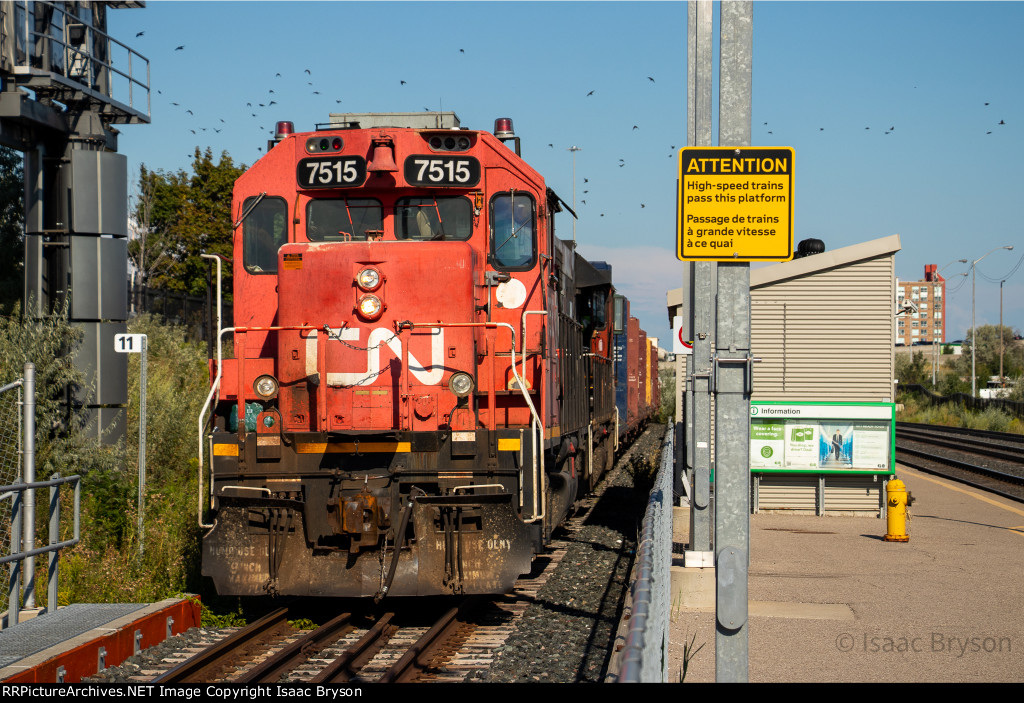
(408, 408)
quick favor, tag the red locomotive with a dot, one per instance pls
(423, 380)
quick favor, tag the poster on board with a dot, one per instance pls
(767, 445)
(871, 445)
(835, 446)
(801, 445)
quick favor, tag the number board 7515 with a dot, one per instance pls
(434, 170)
(331, 172)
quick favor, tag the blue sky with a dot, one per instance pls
(830, 79)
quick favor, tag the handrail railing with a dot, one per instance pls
(645, 655)
(16, 491)
(45, 39)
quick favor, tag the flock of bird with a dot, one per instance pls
(256, 108)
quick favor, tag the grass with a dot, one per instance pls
(954, 415)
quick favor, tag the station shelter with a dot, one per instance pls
(823, 401)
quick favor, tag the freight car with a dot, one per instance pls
(424, 379)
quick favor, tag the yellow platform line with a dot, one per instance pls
(974, 494)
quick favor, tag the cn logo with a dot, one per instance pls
(379, 337)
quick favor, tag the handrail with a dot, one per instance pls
(18, 490)
(79, 59)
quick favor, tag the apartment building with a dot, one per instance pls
(923, 321)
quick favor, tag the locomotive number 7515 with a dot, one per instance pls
(331, 172)
(458, 171)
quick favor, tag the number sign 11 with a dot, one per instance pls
(128, 343)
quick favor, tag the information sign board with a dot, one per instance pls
(735, 204)
(846, 438)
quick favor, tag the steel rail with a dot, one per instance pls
(963, 465)
(946, 429)
(198, 668)
(964, 444)
(356, 657)
(288, 658)
(419, 656)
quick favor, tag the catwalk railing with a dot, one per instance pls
(645, 655)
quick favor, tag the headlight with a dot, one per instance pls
(368, 279)
(265, 387)
(461, 384)
(370, 307)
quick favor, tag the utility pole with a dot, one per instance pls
(574, 149)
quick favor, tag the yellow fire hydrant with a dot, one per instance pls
(897, 499)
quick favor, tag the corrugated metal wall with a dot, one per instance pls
(827, 335)
(843, 494)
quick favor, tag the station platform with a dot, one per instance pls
(831, 601)
(80, 639)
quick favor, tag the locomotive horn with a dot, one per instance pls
(383, 160)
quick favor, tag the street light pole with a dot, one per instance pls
(935, 352)
(573, 149)
(974, 331)
(1001, 332)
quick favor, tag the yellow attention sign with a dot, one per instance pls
(735, 204)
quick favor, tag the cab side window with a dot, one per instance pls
(513, 231)
(263, 232)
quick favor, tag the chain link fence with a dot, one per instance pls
(10, 464)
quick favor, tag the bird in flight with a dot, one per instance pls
(141, 33)
(402, 82)
(635, 127)
(590, 93)
(307, 71)
(650, 79)
(180, 47)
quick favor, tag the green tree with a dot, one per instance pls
(913, 369)
(987, 354)
(12, 227)
(178, 217)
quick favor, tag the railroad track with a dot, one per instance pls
(988, 460)
(392, 646)
(296, 657)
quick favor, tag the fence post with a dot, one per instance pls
(54, 562)
(14, 583)
(29, 424)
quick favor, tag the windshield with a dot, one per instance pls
(343, 219)
(512, 243)
(434, 218)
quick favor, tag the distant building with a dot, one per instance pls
(923, 309)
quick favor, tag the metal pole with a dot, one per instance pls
(52, 576)
(974, 335)
(14, 582)
(974, 332)
(1001, 333)
(731, 371)
(29, 423)
(573, 149)
(703, 282)
(142, 440)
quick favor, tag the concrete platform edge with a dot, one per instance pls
(79, 656)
